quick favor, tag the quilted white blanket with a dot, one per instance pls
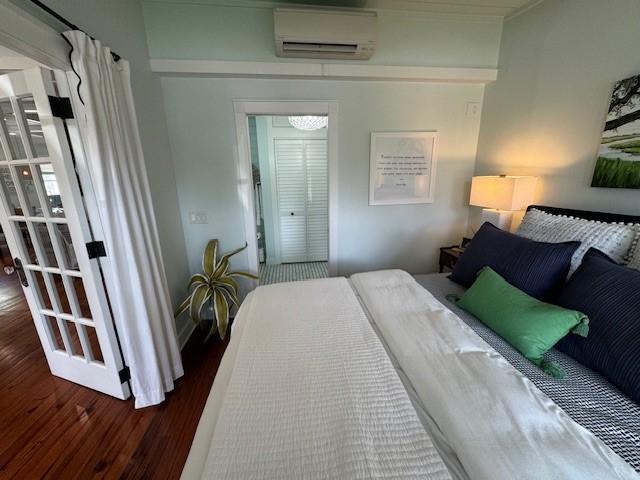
(497, 422)
(313, 395)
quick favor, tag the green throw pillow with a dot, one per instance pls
(529, 325)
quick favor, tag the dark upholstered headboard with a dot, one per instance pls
(587, 215)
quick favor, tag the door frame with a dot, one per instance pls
(242, 110)
(31, 37)
(271, 134)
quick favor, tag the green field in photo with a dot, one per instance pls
(616, 173)
(632, 147)
(617, 138)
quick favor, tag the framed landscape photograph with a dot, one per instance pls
(402, 167)
(618, 163)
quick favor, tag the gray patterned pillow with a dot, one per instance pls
(615, 239)
(635, 258)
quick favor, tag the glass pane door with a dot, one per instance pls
(46, 228)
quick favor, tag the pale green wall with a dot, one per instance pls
(203, 137)
(119, 24)
(544, 116)
(187, 30)
(202, 132)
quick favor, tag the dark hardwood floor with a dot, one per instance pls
(52, 428)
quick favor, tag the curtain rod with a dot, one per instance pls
(67, 23)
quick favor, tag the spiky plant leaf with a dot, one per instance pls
(227, 256)
(221, 307)
(231, 281)
(234, 299)
(228, 283)
(230, 295)
(220, 270)
(209, 259)
(229, 287)
(183, 307)
(197, 280)
(198, 298)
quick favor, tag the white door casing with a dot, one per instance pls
(45, 223)
(244, 108)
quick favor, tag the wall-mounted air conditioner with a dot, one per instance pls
(325, 34)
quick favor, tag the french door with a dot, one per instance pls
(303, 199)
(49, 236)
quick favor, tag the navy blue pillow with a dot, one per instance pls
(609, 294)
(537, 268)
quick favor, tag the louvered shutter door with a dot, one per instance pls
(301, 169)
(317, 200)
(290, 173)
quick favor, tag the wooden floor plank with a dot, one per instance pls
(52, 428)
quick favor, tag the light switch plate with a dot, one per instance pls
(198, 217)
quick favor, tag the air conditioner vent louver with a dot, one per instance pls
(324, 34)
(319, 47)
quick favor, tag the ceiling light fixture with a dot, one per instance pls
(308, 122)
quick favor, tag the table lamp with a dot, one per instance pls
(500, 196)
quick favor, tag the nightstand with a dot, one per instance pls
(450, 255)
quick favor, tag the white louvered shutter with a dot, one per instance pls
(291, 200)
(317, 200)
(301, 171)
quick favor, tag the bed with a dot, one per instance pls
(345, 393)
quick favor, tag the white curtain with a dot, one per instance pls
(138, 291)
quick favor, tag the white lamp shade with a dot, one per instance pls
(503, 192)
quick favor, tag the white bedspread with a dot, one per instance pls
(313, 395)
(497, 422)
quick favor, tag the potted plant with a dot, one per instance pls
(214, 287)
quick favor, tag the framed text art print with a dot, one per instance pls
(402, 167)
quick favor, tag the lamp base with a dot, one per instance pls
(499, 218)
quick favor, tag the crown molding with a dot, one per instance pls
(432, 7)
(525, 8)
(325, 71)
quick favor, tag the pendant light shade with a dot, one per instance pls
(308, 122)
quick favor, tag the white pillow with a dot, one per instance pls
(614, 239)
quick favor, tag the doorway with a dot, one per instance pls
(288, 187)
(289, 161)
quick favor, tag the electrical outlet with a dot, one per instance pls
(198, 217)
(473, 109)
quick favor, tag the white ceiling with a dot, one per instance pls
(501, 8)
